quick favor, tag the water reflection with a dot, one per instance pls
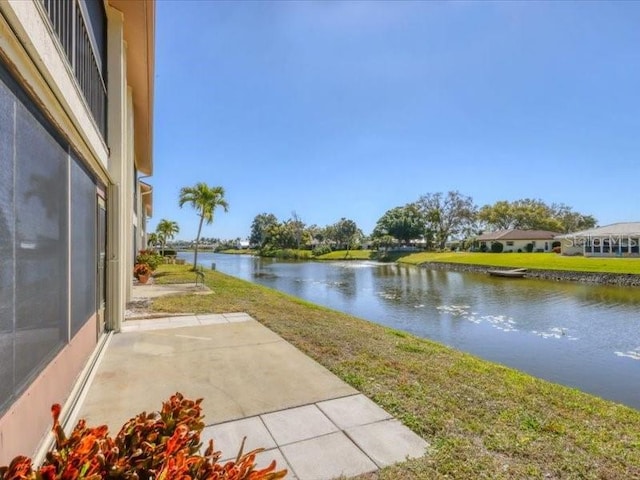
(579, 335)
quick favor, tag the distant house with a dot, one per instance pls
(615, 240)
(514, 240)
(242, 244)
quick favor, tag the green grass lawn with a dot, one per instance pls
(545, 261)
(481, 419)
(350, 255)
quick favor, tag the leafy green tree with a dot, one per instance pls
(260, 227)
(498, 216)
(316, 233)
(402, 223)
(447, 215)
(346, 233)
(572, 221)
(384, 242)
(298, 226)
(166, 230)
(279, 236)
(534, 214)
(328, 235)
(204, 199)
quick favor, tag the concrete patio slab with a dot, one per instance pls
(237, 317)
(255, 385)
(327, 457)
(354, 410)
(241, 369)
(153, 290)
(227, 437)
(211, 319)
(174, 322)
(388, 442)
(296, 424)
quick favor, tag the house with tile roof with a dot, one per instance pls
(514, 240)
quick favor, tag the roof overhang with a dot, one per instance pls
(139, 33)
(515, 234)
(146, 194)
(621, 229)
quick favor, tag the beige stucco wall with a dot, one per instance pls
(522, 245)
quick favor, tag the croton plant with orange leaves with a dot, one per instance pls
(158, 446)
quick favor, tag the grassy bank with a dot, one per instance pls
(287, 254)
(349, 255)
(238, 251)
(545, 261)
(481, 419)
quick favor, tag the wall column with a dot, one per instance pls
(132, 184)
(118, 220)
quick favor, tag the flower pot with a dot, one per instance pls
(143, 278)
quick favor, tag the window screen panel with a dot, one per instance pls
(41, 277)
(36, 172)
(7, 223)
(83, 247)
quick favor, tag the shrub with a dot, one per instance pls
(556, 244)
(497, 247)
(169, 252)
(557, 249)
(529, 247)
(322, 249)
(519, 250)
(483, 247)
(163, 445)
(149, 257)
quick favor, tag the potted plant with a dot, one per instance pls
(142, 272)
(151, 258)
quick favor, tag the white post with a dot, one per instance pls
(119, 223)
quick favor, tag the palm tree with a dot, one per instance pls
(166, 229)
(204, 199)
(153, 239)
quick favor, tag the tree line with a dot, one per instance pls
(434, 219)
(269, 234)
(438, 217)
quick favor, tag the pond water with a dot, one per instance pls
(584, 336)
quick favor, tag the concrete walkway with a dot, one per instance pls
(254, 384)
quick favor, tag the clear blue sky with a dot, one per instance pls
(347, 109)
